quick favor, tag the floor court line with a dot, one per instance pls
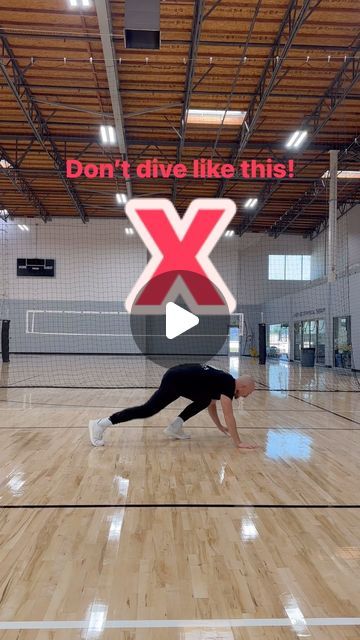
(133, 428)
(318, 408)
(338, 415)
(14, 385)
(312, 404)
(175, 624)
(103, 406)
(109, 406)
(177, 505)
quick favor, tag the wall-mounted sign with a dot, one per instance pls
(309, 312)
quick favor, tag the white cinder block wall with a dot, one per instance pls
(256, 292)
(291, 301)
(321, 299)
(96, 265)
(94, 261)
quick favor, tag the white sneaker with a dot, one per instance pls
(97, 430)
(175, 430)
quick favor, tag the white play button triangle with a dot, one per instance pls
(178, 320)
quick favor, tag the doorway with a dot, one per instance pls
(278, 341)
(234, 341)
(310, 333)
(342, 342)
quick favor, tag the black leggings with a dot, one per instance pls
(165, 395)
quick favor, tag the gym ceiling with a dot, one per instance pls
(66, 69)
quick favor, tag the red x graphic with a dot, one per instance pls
(179, 248)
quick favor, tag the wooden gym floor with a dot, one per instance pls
(151, 539)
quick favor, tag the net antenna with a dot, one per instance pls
(332, 230)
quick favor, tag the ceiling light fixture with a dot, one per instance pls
(80, 3)
(296, 139)
(129, 231)
(344, 174)
(121, 198)
(23, 227)
(215, 116)
(107, 134)
(251, 203)
(5, 164)
(229, 233)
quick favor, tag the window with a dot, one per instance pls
(290, 267)
(306, 267)
(276, 267)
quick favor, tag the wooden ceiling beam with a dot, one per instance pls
(312, 194)
(15, 79)
(345, 79)
(14, 173)
(189, 81)
(297, 12)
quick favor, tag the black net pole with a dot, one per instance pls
(5, 327)
(262, 343)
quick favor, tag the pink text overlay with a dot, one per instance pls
(200, 168)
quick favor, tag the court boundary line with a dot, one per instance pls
(186, 623)
(99, 388)
(199, 505)
(118, 406)
(109, 406)
(312, 404)
(133, 428)
(338, 415)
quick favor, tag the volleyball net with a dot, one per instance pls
(63, 285)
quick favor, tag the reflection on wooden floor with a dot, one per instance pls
(93, 546)
(166, 563)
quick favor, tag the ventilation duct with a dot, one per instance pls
(142, 24)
